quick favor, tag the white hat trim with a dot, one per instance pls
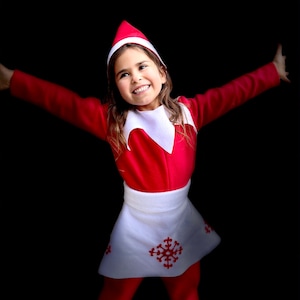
(135, 40)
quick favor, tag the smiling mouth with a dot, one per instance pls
(141, 89)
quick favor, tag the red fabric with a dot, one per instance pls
(184, 286)
(85, 113)
(119, 289)
(126, 30)
(180, 287)
(147, 167)
(217, 101)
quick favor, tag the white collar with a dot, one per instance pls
(156, 124)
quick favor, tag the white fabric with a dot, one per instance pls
(156, 124)
(133, 40)
(156, 234)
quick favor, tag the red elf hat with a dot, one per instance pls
(127, 33)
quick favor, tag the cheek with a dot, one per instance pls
(122, 87)
(160, 81)
(124, 91)
(159, 77)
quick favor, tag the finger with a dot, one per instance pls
(279, 49)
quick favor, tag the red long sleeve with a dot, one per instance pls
(88, 113)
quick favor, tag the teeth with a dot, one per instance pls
(141, 89)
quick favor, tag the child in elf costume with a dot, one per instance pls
(153, 137)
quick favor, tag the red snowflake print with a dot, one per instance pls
(208, 228)
(167, 253)
(108, 249)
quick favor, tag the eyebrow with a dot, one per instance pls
(137, 64)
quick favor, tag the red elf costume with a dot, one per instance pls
(159, 233)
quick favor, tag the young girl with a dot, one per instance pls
(153, 137)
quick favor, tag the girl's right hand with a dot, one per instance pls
(5, 77)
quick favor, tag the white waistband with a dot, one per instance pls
(156, 202)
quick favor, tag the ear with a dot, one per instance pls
(163, 74)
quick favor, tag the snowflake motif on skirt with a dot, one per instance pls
(167, 253)
(108, 249)
(208, 228)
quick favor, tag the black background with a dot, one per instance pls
(60, 189)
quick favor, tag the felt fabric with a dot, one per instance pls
(157, 234)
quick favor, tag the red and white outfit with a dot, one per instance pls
(158, 232)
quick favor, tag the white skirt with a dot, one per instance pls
(156, 235)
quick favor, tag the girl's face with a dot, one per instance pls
(138, 79)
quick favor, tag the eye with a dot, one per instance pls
(142, 67)
(122, 75)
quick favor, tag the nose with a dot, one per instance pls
(136, 77)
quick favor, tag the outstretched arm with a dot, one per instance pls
(86, 113)
(218, 101)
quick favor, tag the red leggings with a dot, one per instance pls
(180, 287)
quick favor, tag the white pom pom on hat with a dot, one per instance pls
(126, 33)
